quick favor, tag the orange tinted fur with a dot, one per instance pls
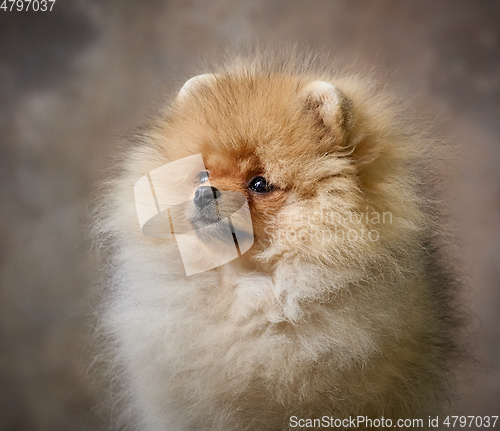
(309, 322)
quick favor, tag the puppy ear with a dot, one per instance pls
(330, 105)
(195, 83)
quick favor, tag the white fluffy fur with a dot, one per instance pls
(300, 327)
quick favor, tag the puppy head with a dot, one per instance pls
(296, 148)
(266, 137)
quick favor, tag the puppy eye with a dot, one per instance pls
(260, 185)
(202, 177)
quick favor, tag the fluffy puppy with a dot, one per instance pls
(341, 306)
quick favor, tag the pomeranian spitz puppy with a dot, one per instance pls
(276, 259)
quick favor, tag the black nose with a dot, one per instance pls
(204, 195)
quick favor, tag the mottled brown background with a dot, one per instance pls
(74, 78)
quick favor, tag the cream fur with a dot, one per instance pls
(306, 323)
